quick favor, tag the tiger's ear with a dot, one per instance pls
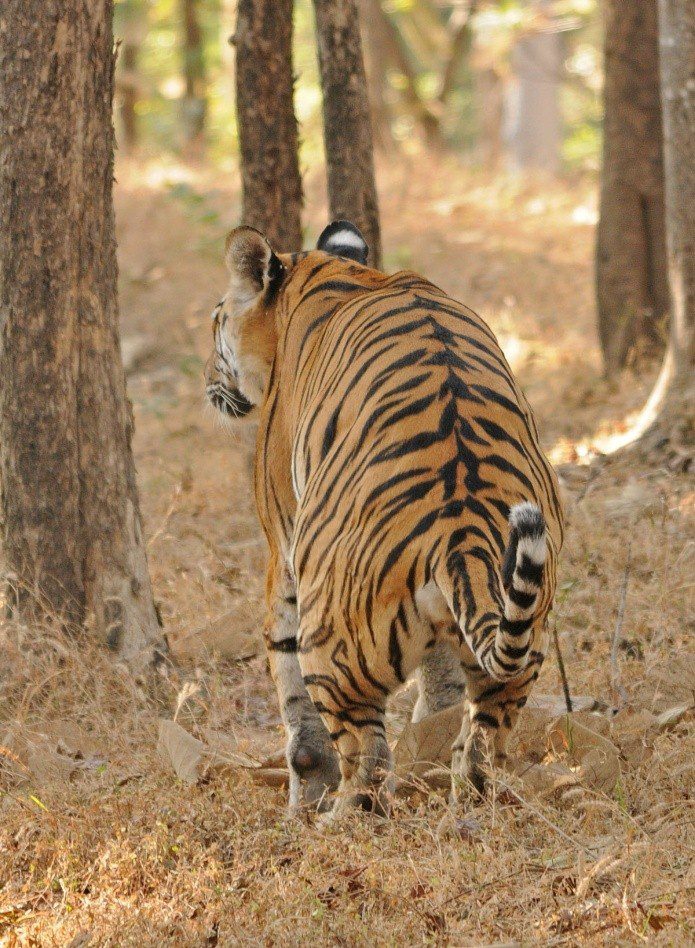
(343, 239)
(252, 263)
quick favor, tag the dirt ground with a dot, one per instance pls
(108, 840)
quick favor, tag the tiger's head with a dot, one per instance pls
(245, 321)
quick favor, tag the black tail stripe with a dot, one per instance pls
(529, 571)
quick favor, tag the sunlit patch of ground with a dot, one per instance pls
(101, 845)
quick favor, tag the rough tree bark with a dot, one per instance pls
(346, 125)
(71, 529)
(268, 139)
(195, 102)
(631, 271)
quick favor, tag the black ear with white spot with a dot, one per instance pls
(343, 239)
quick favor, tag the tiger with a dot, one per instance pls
(413, 522)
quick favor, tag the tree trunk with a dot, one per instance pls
(71, 528)
(376, 69)
(631, 270)
(127, 86)
(394, 49)
(535, 125)
(271, 182)
(347, 129)
(130, 27)
(195, 102)
(461, 42)
(677, 32)
(489, 107)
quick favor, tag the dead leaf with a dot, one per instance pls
(428, 742)
(634, 732)
(673, 716)
(600, 769)
(547, 779)
(556, 705)
(47, 766)
(183, 751)
(595, 754)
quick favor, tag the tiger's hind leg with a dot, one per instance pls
(440, 678)
(365, 762)
(311, 759)
(358, 731)
(492, 711)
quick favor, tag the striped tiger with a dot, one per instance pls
(413, 521)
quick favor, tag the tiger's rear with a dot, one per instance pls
(413, 521)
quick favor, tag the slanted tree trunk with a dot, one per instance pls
(393, 48)
(631, 271)
(347, 129)
(71, 530)
(461, 42)
(195, 101)
(271, 182)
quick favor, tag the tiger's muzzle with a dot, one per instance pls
(229, 402)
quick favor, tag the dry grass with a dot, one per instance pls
(101, 845)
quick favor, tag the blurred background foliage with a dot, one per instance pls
(453, 75)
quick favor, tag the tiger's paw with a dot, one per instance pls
(314, 775)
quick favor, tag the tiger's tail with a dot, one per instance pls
(496, 607)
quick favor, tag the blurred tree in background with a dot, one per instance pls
(483, 78)
(194, 74)
(501, 84)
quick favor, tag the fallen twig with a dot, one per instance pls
(620, 697)
(563, 673)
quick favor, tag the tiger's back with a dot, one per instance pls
(405, 498)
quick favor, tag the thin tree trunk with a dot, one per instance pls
(268, 139)
(128, 88)
(461, 42)
(489, 99)
(631, 271)
(347, 128)
(195, 101)
(71, 529)
(376, 69)
(677, 34)
(535, 125)
(392, 46)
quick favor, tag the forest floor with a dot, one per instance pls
(108, 840)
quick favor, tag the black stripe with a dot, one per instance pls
(288, 646)
(529, 571)
(523, 600)
(517, 627)
(509, 651)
